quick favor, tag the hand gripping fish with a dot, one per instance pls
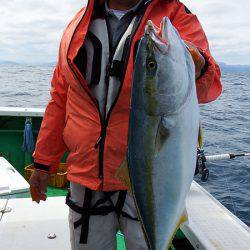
(163, 133)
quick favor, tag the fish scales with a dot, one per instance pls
(163, 132)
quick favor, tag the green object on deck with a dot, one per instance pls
(53, 192)
(120, 242)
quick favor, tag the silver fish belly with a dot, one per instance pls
(163, 132)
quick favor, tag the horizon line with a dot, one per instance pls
(55, 62)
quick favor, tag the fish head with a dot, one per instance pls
(156, 48)
(166, 69)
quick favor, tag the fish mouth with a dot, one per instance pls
(156, 38)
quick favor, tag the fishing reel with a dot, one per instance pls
(201, 167)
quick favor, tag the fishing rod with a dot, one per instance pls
(202, 159)
(210, 158)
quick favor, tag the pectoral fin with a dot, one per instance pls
(123, 175)
(161, 136)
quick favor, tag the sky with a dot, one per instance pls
(30, 31)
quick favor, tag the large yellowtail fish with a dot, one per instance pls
(163, 132)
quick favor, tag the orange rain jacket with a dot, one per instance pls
(72, 119)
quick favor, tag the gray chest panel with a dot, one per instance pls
(98, 62)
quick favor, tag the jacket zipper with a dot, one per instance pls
(101, 140)
(100, 143)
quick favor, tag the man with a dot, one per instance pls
(89, 111)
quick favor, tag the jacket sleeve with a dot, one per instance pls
(50, 146)
(208, 84)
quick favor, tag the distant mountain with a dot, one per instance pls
(234, 68)
(29, 64)
(8, 63)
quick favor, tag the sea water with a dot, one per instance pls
(226, 127)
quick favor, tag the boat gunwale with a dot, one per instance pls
(22, 112)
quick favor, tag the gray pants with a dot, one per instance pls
(103, 229)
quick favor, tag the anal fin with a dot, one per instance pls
(123, 175)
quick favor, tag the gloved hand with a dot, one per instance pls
(38, 185)
(198, 59)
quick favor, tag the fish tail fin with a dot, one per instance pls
(183, 218)
(122, 174)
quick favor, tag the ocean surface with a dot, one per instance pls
(226, 127)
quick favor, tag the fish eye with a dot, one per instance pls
(151, 65)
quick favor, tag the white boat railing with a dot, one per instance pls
(11, 181)
(22, 112)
